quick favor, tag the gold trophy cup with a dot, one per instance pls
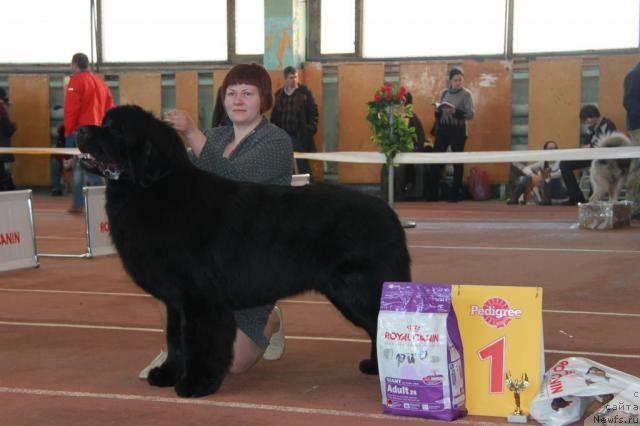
(517, 386)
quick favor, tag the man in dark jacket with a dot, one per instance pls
(295, 110)
(598, 127)
(631, 102)
(7, 128)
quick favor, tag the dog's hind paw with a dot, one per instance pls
(162, 377)
(195, 387)
(369, 366)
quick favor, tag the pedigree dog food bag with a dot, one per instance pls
(420, 352)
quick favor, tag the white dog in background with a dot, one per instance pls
(608, 176)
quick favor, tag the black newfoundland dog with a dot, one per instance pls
(205, 245)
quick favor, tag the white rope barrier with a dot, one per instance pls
(40, 151)
(476, 156)
(368, 157)
(421, 157)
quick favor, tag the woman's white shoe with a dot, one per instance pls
(276, 344)
(157, 362)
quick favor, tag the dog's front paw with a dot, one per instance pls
(162, 376)
(369, 366)
(190, 387)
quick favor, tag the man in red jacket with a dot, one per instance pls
(86, 101)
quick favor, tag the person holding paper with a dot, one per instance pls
(452, 110)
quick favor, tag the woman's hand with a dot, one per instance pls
(181, 121)
(184, 124)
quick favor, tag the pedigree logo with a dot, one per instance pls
(496, 312)
(9, 238)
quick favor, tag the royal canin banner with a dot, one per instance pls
(98, 238)
(17, 244)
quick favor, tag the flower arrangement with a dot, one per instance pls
(388, 115)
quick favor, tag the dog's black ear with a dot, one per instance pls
(152, 166)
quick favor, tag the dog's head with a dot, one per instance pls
(131, 144)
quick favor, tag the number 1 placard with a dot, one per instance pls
(501, 329)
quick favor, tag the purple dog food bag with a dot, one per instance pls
(420, 352)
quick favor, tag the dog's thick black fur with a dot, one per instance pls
(205, 245)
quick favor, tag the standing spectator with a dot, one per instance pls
(410, 170)
(57, 163)
(631, 102)
(453, 110)
(295, 110)
(7, 129)
(597, 127)
(86, 101)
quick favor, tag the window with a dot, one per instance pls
(41, 31)
(410, 28)
(249, 27)
(338, 26)
(163, 30)
(571, 25)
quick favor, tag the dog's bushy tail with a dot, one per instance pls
(613, 140)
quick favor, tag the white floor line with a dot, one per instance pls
(574, 353)
(305, 338)
(288, 301)
(218, 404)
(90, 293)
(90, 327)
(328, 339)
(612, 314)
(567, 250)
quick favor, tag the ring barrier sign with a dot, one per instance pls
(97, 226)
(17, 235)
(98, 238)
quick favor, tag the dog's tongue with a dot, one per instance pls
(91, 165)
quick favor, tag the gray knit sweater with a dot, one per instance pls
(264, 156)
(463, 102)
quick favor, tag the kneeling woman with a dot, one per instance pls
(249, 149)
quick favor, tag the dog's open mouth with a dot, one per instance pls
(108, 170)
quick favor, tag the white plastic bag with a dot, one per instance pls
(573, 384)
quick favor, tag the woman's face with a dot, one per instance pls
(242, 103)
(456, 81)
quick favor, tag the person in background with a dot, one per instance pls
(453, 110)
(86, 101)
(597, 127)
(252, 150)
(57, 163)
(546, 178)
(295, 110)
(410, 170)
(220, 117)
(631, 102)
(7, 129)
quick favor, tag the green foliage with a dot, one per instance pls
(389, 115)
